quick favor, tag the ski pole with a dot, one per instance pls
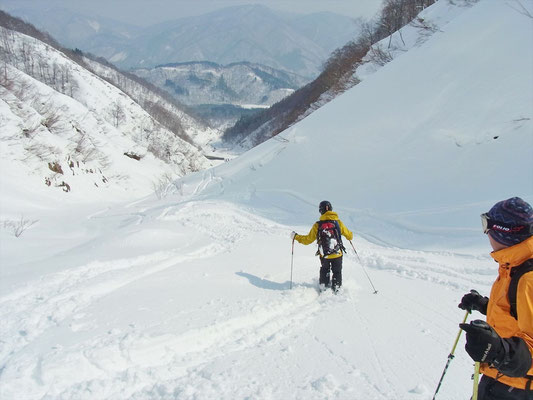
(292, 260)
(451, 355)
(362, 266)
(476, 380)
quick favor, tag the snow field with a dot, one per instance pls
(214, 317)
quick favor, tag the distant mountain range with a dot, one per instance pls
(221, 94)
(242, 83)
(292, 42)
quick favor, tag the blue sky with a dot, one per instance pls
(146, 12)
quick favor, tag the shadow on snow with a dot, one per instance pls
(270, 285)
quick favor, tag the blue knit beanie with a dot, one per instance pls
(511, 212)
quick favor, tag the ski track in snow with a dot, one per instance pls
(52, 299)
(137, 364)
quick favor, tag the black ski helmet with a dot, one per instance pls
(324, 206)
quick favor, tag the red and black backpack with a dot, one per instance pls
(329, 238)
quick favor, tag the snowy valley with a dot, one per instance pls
(126, 292)
(232, 61)
(222, 93)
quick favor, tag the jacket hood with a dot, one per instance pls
(329, 215)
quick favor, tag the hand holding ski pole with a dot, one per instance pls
(362, 266)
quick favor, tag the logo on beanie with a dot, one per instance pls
(506, 229)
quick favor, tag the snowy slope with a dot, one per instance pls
(423, 144)
(187, 296)
(67, 128)
(176, 303)
(193, 128)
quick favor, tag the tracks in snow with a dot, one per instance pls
(135, 364)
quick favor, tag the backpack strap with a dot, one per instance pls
(319, 224)
(317, 238)
(339, 235)
(516, 274)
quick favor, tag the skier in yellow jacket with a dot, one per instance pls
(327, 232)
(504, 344)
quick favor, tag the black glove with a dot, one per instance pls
(474, 301)
(510, 356)
(483, 344)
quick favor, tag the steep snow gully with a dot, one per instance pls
(187, 296)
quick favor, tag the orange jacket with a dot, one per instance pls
(498, 310)
(311, 236)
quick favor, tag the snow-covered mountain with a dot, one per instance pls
(428, 128)
(67, 125)
(223, 93)
(188, 296)
(245, 33)
(74, 29)
(210, 83)
(252, 33)
(374, 46)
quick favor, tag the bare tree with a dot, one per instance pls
(117, 113)
(7, 40)
(379, 55)
(41, 151)
(166, 118)
(85, 148)
(5, 76)
(22, 88)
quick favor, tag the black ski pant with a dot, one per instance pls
(335, 265)
(490, 389)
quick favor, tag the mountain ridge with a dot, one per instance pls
(281, 38)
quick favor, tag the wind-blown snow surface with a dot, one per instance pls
(187, 297)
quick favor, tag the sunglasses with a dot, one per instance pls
(489, 224)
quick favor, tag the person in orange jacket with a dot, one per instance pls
(504, 343)
(327, 232)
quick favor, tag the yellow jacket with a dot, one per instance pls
(498, 310)
(311, 236)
